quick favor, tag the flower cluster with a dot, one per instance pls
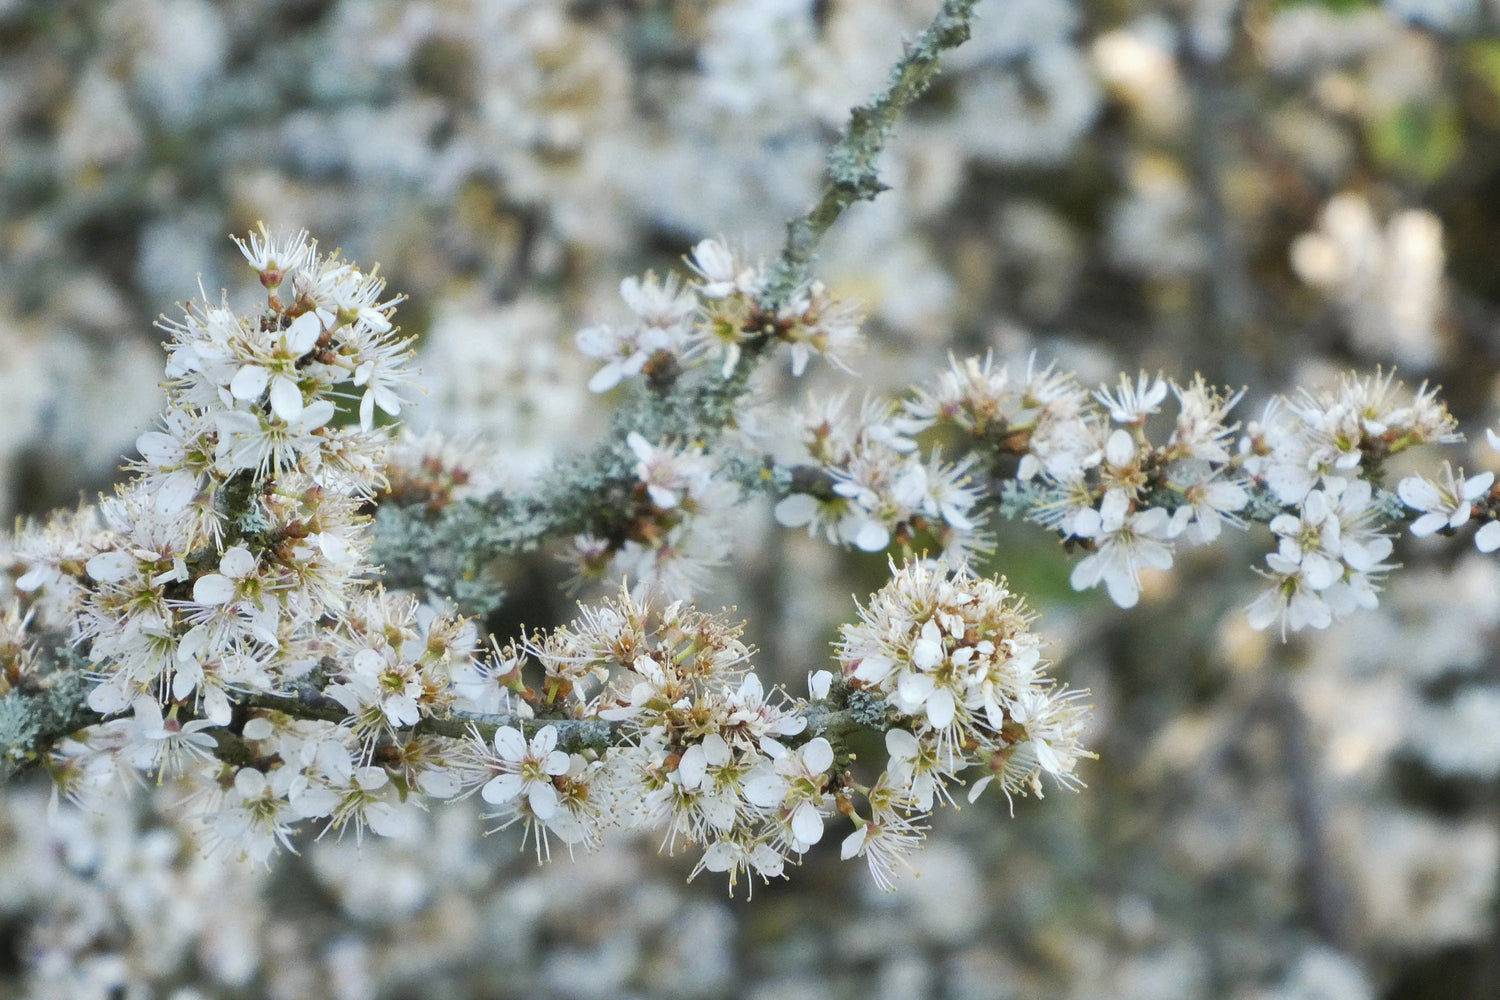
(676, 524)
(1310, 438)
(231, 570)
(241, 530)
(699, 759)
(1449, 505)
(1091, 471)
(1313, 453)
(714, 317)
(953, 656)
(1086, 467)
(864, 483)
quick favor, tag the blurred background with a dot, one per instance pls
(1266, 191)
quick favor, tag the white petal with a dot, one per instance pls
(542, 798)
(596, 342)
(286, 398)
(715, 750)
(661, 496)
(389, 821)
(1046, 757)
(854, 843)
(874, 668)
(371, 778)
(807, 825)
(1088, 572)
(302, 333)
(692, 768)
(818, 684)
(796, 510)
(1113, 510)
(510, 744)
(926, 654)
(185, 679)
(605, 378)
(1319, 571)
(1124, 589)
(872, 537)
(249, 383)
(439, 783)
(502, 788)
(901, 744)
(213, 589)
(764, 787)
(1153, 555)
(1151, 522)
(237, 562)
(175, 492)
(250, 783)
(1087, 523)
(108, 698)
(33, 578)
(940, 708)
(544, 741)
(258, 728)
(767, 861)
(316, 415)
(159, 449)
(817, 755)
(719, 856)
(1428, 524)
(216, 706)
(110, 567)
(1417, 493)
(913, 688)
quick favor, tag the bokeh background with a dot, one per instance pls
(1266, 191)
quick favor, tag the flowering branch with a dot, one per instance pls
(236, 644)
(218, 621)
(588, 494)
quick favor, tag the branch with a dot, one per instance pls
(49, 703)
(851, 174)
(449, 552)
